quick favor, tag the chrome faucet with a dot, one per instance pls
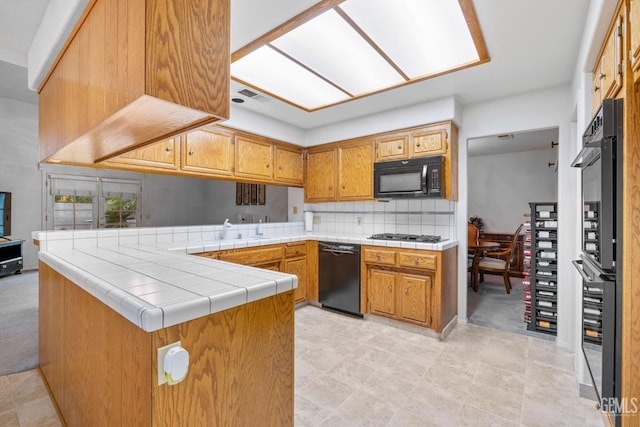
(225, 228)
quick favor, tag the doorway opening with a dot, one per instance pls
(505, 173)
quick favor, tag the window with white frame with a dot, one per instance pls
(77, 203)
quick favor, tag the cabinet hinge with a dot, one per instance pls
(620, 69)
(446, 134)
(619, 29)
(375, 145)
(430, 319)
(233, 168)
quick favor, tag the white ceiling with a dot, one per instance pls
(532, 45)
(514, 142)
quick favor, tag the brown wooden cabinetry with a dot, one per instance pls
(208, 151)
(608, 71)
(296, 263)
(288, 258)
(289, 165)
(254, 157)
(132, 73)
(355, 171)
(392, 147)
(634, 29)
(415, 286)
(320, 178)
(346, 166)
(163, 156)
(517, 262)
(218, 152)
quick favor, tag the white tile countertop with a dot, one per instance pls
(149, 276)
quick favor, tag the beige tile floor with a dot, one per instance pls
(351, 372)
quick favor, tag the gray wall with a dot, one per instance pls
(19, 174)
(221, 204)
(502, 185)
(169, 200)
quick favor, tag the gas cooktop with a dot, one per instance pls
(422, 238)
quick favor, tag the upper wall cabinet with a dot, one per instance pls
(430, 140)
(608, 70)
(341, 171)
(209, 151)
(289, 165)
(254, 157)
(135, 72)
(163, 156)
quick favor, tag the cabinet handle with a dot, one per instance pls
(279, 167)
(331, 187)
(191, 153)
(596, 88)
(168, 149)
(344, 186)
(378, 256)
(399, 147)
(602, 76)
(390, 288)
(406, 291)
(297, 251)
(418, 144)
(416, 260)
(267, 165)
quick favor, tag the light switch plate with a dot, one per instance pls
(162, 351)
(316, 219)
(295, 210)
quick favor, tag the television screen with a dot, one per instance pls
(5, 214)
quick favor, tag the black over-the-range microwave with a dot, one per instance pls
(412, 178)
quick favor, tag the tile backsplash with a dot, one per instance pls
(424, 216)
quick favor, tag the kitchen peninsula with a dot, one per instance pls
(109, 299)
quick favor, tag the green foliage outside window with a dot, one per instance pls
(68, 198)
(118, 210)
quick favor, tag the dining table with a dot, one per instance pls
(478, 249)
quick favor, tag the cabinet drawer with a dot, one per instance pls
(295, 249)
(380, 256)
(253, 256)
(408, 259)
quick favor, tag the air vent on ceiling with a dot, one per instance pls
(253, 95)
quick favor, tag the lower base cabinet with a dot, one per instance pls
(299, 268)
(414, 286)
(401, 295)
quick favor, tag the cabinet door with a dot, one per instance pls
(299, 268)
(634, 27)
(161, 155)
(356, 172)
(428, 143)
(596, 90)
(414, 297)
(392, 147)
(254, 158)
(208, 151)
(289, 166)
(382, 295)
(611, 61)
(321, 176)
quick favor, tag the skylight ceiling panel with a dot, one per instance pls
(269, 70)
(421, 37)
(332, 48)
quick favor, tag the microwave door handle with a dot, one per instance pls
(424, 179)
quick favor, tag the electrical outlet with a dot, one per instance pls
(162, 351)
(316, 219)
(359, 220)
(295, 210)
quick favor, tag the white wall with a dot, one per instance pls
(19, 173)
(502, 185)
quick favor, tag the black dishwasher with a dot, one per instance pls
(339, 276)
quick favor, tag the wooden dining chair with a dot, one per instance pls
(473, 235)
(498, 262)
